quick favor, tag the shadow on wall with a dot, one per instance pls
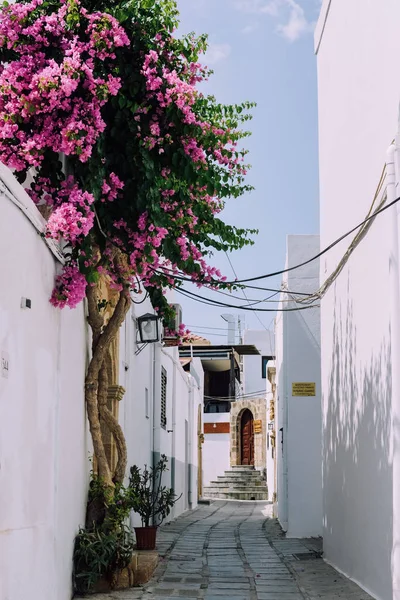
(356, 457)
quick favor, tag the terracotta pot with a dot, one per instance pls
(146, 538)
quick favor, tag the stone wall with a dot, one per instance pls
(258, 409)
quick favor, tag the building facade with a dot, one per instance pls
(45, 444)
(297, 417)
(234, 422)
(271, 465)
(255, 368)
(357, 46)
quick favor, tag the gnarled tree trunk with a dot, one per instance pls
(96, 384)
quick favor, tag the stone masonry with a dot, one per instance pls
(257, 407)
(236, 550)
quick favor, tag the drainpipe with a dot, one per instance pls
(172, 429)
(283, 499)
(191, 432)
(156, 389)
(392, 158)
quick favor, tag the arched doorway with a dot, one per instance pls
(247, 438)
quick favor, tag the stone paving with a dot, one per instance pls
(236, 550)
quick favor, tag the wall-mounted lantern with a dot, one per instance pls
(148, 329)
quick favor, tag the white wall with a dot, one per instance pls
(359, 92)
(298, 360)
(146, 438)
(270, 450)
(43, 438)
(216, 449)
(253, 382)
(44, 442)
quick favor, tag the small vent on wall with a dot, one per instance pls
(163, 397)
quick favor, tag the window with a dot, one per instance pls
(163, 397)
(264, 363)
(217, 407)
(146, 403)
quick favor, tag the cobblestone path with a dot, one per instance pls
(236, 550)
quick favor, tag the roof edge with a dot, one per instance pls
(321, 24)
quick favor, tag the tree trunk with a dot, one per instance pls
(96, 384)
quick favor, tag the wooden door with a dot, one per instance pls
(247, 439)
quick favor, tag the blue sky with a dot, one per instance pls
(262, 50)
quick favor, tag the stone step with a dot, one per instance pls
(253, 480)
(242, 468)
(238, 477)
(237, 483)
(239, 490)
(244, 474)
(236, 495)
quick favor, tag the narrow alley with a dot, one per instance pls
(237, 550)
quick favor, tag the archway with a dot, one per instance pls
(247, 438)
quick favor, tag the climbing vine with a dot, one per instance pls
(103, 120)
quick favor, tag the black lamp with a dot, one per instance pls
(148, 327)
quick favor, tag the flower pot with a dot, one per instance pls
(146, 537)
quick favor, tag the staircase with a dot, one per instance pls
(240, 483)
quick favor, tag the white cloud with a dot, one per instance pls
(270, 7)
(216, 53)
(293, 21)
(249, 29)
(297, 24)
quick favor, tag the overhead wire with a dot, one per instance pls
(207, 333)
(353, 245)
(181, 277)
(209, 302)
(238, 397)
(244, 293)
(206, 327)
(306, 262)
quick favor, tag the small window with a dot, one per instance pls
(146, 403)
(264, 363)
(163, 397)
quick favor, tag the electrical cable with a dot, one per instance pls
(209, 302)
(235, 397)
(244, 293)
(353, 245)
(306, 262)
(181, 277)
(252, 301)
(206, 327)
(239, 397)
(202, 333)
(140, 301)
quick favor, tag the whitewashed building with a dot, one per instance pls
(357, 46)
(234, 424)
(270, 454)
(255, 367)
(298, 396)
(44, 440)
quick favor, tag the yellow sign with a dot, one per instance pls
(257, 426)
(303, 389)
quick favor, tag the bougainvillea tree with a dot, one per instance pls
(102, 117)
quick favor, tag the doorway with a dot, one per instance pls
(247, 438)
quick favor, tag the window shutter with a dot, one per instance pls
(163, 397)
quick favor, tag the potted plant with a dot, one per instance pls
(103, 549)
(151, 500)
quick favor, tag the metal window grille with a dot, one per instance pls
(163, 397)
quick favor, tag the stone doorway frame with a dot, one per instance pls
(257, 407)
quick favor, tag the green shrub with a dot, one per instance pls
(99, 553)
(149, 499)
